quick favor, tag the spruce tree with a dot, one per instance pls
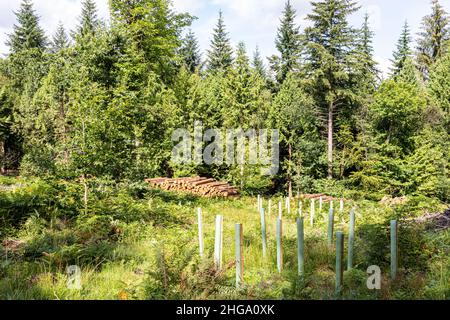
(89, 21)
(288, 45)
(258, 64)
(60, 39)
(190, 52)
(433, 39)
(27, 33)
(367, 65)
(330, 48)
(220, 55)
(403, 51)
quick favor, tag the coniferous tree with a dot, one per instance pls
(258, 64)
(60, 39)
(288, 45)
(438, 87)
(403, 50)
(190, 52)
(368, 66)
(330, 48)
(27, 33)
(88, 22)
(433, 39)
(220, 55)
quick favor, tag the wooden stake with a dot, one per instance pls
(269, 207)
(239, 240)
(341, 206)
(320, 204)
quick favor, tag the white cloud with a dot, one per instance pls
(191, 6)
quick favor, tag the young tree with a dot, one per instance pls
(258, 64)
(433, 39)
(190, 52)
(220, 55)
(403, 51)
(88, 21)
(330, 58)
(396, 112)
(151, 29)
(27, 34)
(293, 112)
(438, 88)
(367, 65)
(60, 39)
(288, 45)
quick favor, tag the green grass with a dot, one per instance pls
(137, 243)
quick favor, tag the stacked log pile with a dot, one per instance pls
(200, 186)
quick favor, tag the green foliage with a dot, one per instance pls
(27, 33)
(190, 52)
(60, 39)
(288, 44)
(438, 88)
(220, 55)
(403, 51)
(433, 39)
(89, 21)
(396, 112)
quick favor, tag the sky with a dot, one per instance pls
(253, 21)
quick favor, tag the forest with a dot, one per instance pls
(86, 115)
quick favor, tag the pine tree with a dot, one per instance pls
(288, 45)
(190, 52)
(60, 39)
(89, 21)
(367, 65)
(220, 56)
(434, 37)
(438, 87)
(330, 48)
(403, 51)
(27, 33)
(258, 64)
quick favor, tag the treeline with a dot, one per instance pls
(104, 100)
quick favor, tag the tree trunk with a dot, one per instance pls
(330, 140)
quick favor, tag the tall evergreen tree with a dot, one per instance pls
(258, 64)
(27, 33)
(368, 66)
(60, 39)
(433, 39)
(288, 45)
(190, 52)
(330, 47)
(403, 51)
(88, 21)
(220, 55)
